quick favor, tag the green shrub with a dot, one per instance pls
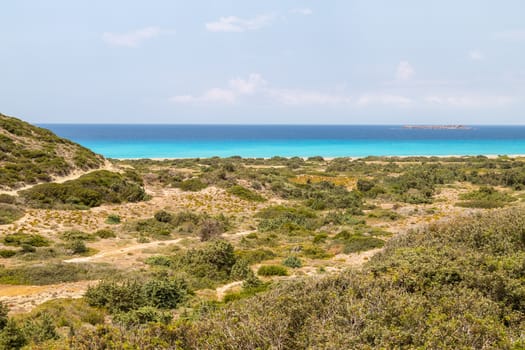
(159, 260)
(315, 252)
(131, 295)
(193, 185)
(293, 262)
(7, 253)
(53, 273)
(485, 198)
(210, 228)
(142, 315)
(12, 337)
(90, 190)
(246, 194)
(18, 239)
(163, 216)
(9, 213)
(105, 234)
(77, 247)
(272, 270)
(7, 199)
(75, 235)
(113, 219)
(255, 256)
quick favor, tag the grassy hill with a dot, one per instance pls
(29, 154)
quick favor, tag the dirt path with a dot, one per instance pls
(221, 290)
(24, 298)
(110, 255)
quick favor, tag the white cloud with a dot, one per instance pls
(404, 71)
(476, 55)
(215, 95)
(470, 101)
(236, 24)
(510, 35)
(383, 99)
(133, 38)
(301, 97)
(247, 86)
(238, 87)
(302, 11)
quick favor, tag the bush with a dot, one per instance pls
(75, 235)
(7, 199)
(105, 234)
(77, 247)
(163, 216)
(9, 213)
(210, 228)
(293, 262)
(12, 337)
(142, 315)
(131, 295)
(18, 239)
(90, 190)
(53, 273)
(193, 185)
(7, 253)
(113, 219)
(485, 198)
(272, 270)
(246, 194)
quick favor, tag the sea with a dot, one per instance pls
(129, 141)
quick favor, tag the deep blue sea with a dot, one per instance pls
(189, 141)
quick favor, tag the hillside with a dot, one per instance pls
(29, 154)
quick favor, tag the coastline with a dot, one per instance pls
(490, 156)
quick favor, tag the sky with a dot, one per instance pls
(263, 62)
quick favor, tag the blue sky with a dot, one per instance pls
(286, 61)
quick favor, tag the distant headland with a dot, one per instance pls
(438, 127)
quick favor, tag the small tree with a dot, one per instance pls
(3, 315)
(12, 337)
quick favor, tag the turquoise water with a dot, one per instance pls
(189, 141)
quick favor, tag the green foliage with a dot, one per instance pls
(30, 154)
(132, 295)
(12, 337)
(272, 270)
(77, 247)
(7, 199)
(163, 216)
(105, 234)
(287, 219)
(255, 256)
(210, 228)
(90, 190)
(246, 194)
(315, 252)
(209, 265)
(293, 262)
(3, 315)
(7, 253)
(19, 239)
(43, 274)
(240, 270)
(40, 328)
(485, 197)
(142, 315)
(113, 219)
(159, 260)
(9, 213)
(193, 185)
(75, 235)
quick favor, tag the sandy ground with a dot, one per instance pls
(21, 299)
